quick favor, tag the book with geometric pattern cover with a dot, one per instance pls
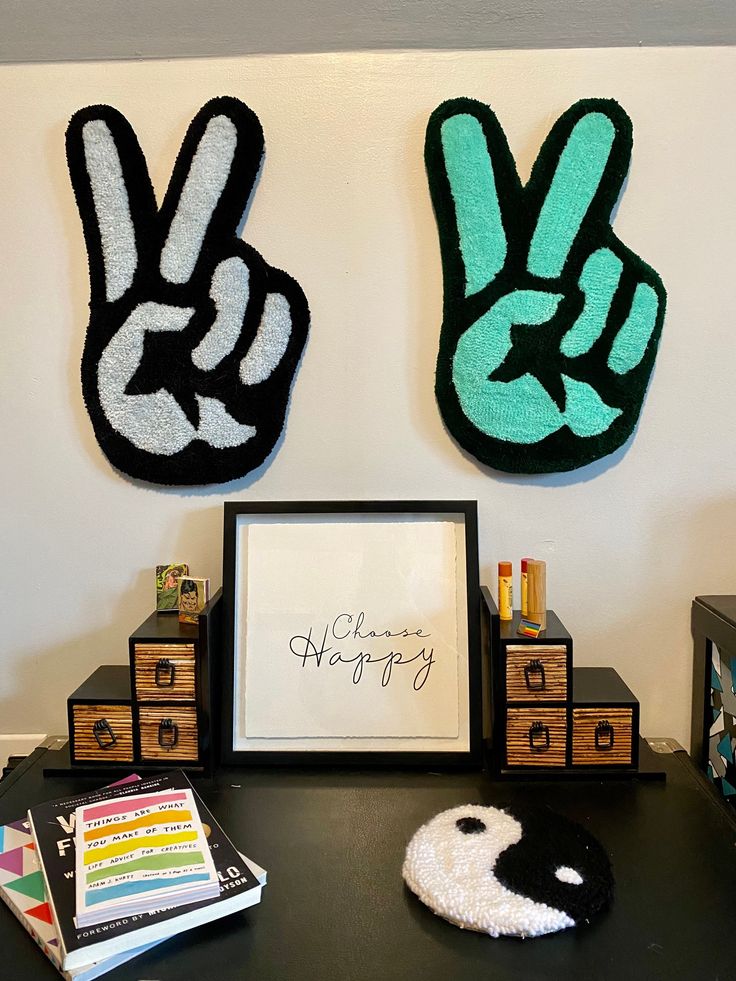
(22, 890)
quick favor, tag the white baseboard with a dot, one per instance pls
(19, 744)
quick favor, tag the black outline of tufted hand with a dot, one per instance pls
(191, 332)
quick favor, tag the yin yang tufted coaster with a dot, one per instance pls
(514, 871)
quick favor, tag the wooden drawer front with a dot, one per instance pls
(536, 736)
(95, 740)
(164, 672)
(536, 673)
(178, 741)
(610, 727)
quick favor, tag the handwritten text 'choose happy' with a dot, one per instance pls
(346, 627)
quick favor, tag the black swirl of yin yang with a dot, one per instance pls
(556, 862)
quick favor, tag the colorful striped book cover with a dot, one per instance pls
(54, 830)
(141, 853)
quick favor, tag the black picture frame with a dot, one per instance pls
(472, 757)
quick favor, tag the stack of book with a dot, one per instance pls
(99, 878)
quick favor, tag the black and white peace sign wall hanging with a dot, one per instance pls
(193, 339)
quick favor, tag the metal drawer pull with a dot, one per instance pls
(165, 671)
(168, 734)
(538, 737)
(102, 731)
(534, 676)
(604, 735)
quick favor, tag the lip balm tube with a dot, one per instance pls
(537, 592)
(524, 586)
(505, 591)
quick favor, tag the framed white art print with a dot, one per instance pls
(351, 633)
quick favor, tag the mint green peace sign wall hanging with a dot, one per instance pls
(551, 324)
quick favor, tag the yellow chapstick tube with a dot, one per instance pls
(505, 591)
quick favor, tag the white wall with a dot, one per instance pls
(343, 205)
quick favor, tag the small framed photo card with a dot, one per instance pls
(194, 594)
(167, 585)
(351, 633)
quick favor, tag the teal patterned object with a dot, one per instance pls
(551, 324)
(722, 734)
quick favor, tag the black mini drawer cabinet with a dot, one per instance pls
(156, 712)
(548, 716)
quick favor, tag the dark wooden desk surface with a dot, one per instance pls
(336, 909)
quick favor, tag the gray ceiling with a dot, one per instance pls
(80, 30)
